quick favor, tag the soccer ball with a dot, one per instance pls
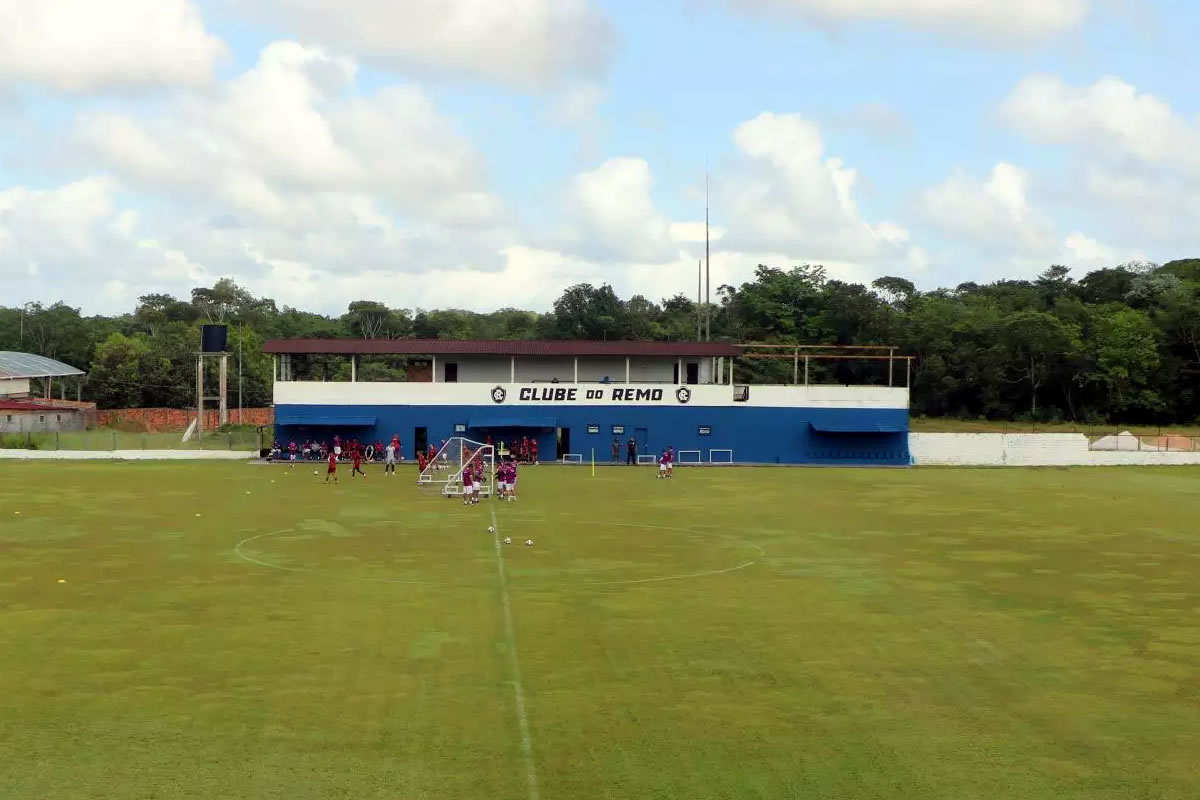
(507, 540)
(529, 542)
(491, 529)
(315, 472)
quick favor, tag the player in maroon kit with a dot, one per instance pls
(331, 472)
(357, 455)
(292, 454)
(533, 457)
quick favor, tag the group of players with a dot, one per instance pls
(506, 471)
(506, 481)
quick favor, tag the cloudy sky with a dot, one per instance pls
(483, 153)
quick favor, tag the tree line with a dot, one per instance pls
(1120, 344)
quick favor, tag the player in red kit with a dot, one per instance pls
(331, 472)
(357, 469)
(533, 451)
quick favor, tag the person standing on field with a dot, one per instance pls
(631, 453)
(389, 459)
(616, 451)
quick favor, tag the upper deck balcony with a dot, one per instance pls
(511, 361)
(421, 371)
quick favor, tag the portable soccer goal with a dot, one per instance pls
(452, 462)
(690, 457)
(720, 456)
(572, 458)
(644, 460)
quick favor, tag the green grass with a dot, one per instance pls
(107, 439)
(897, 634)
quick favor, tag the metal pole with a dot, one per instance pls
(699, 298)
(907, 373)
(891, 352)
(795, 366)
(707, 270)
(223, 383)
(241, 411)
(806, 370)
(200, 397)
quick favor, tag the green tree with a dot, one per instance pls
(1037, 344)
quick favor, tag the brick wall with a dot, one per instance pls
(154, 420)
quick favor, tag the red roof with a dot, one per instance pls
(22, 405)
(440, 347)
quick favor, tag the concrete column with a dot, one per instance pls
(223, 382)
(435, 380)
(627, 369)
(679, 372)
(353, 369)
(512, 369)
(576, 370)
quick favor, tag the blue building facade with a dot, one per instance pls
(706, 422)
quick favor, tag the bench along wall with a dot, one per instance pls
(1029, 450)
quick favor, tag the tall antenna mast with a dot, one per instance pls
(707, 274)
(699, 299)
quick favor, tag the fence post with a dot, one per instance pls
(230, 440)
(114, 440)
(57, 446)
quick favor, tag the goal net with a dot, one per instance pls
(643, 460)
(459, 457)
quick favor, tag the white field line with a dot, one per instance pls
(518, 690)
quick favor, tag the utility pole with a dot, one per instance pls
(699, 300)
(707, 266)
(241, 412)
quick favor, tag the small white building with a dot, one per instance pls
(21, 374)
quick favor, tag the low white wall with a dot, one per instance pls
(129, 455)
(1029, 450)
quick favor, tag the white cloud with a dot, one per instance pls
(522, 43)
(280, 142)
(993, 212)
(987, 19)
(995, 216)
(615, 212)
(75, 46)
(1136, 161)
(1108, 118)
(786, 196)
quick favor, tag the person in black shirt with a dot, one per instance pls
(631, 452)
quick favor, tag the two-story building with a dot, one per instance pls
(577, 398)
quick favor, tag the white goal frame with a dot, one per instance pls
(699, 457)
(572, 458)
(454, 463)
(646, 460)
(728, 450)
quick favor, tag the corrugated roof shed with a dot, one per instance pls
(440, 347)
(27, 365)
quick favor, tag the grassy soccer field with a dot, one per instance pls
(233, 631)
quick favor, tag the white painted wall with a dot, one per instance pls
(467, 394)
(14, 387)
(1029, 450)
(128, 455)
(497, 369)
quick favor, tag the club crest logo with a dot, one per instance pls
(683, 394)
(498, 394)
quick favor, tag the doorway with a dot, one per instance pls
(564, 442)
(693, 373)
(420, 440)
(642, 437)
